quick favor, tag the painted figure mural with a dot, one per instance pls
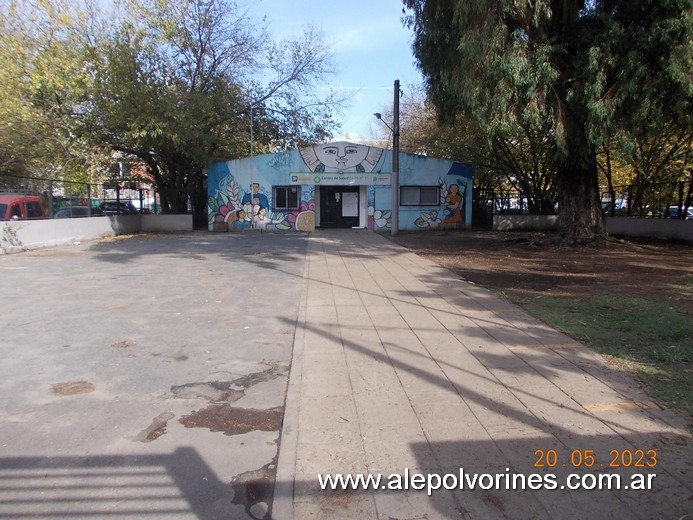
(453, 207)
(341, 157)
(242, 191)
(255, 197)
(453, 203)
(253, 209)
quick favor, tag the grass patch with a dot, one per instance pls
(648, 337)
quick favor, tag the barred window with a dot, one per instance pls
(286, 197)
(419, 196)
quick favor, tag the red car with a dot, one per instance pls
(16, 206)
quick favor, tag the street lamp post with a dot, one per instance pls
(394, 222)
(394, 228)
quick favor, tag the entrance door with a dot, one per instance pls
(339, 206)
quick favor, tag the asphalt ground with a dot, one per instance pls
(145, 376)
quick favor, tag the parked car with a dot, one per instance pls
(674, 212)
(146, 211)
(79, 211)
(17, 206)
(118, 208)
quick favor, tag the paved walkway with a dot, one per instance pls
(401, 366)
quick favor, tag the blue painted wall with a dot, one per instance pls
(234, 200)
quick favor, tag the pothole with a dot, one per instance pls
(253, 489)
(73, 388)
(234, 421)
(275, 370)
(156, 429)
(228, 391)
(214, 391)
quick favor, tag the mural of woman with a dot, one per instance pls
(453, 207)
(260, 220)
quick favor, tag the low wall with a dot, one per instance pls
(165, 223)
(524, 222)
(660, 228)
(21, 235)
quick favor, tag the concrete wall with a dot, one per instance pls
(661, 228)
(524, 222)
(24, 234)
(165, 223)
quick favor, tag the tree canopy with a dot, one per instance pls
(172, 83)
(519, 158)
(580, 70)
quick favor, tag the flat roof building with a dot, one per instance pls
(338, 185)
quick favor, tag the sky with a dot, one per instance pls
(371, 49)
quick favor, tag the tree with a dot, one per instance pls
(42, 86)
(579, 68)
(168, 82)
(180, 82)
(519, 159)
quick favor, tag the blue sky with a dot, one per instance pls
(371, 49)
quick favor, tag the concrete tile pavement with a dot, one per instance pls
(399, 366)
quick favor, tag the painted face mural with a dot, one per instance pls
(341, 157)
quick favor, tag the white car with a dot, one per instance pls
(674, 212)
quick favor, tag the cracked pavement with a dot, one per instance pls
(146, 375)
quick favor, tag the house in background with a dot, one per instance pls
(338, 185)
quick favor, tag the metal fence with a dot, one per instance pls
(655, 200)
(492, 201)
(56, 194)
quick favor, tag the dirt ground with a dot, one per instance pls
(523, 265)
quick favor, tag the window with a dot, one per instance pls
(33, 210)
(287, 197)
(419, 196)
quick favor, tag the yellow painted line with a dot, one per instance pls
(625, 405)
(544, 346)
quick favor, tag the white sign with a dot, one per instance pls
(341, 179)
(350, 204)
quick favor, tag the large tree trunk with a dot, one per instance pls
(580, 214)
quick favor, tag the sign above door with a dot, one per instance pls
(342, 179)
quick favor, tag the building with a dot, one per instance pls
(338, 185)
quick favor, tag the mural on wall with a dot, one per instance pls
(252, 209)
(453, 200)
(429, 220)
(454, 204)
(379, 219)
(241, 191)
(341, 157)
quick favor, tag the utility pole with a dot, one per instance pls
(394, 227)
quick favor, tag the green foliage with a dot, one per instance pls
(165, 82)
(519, 159)
(43, 79)
(583, 73)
